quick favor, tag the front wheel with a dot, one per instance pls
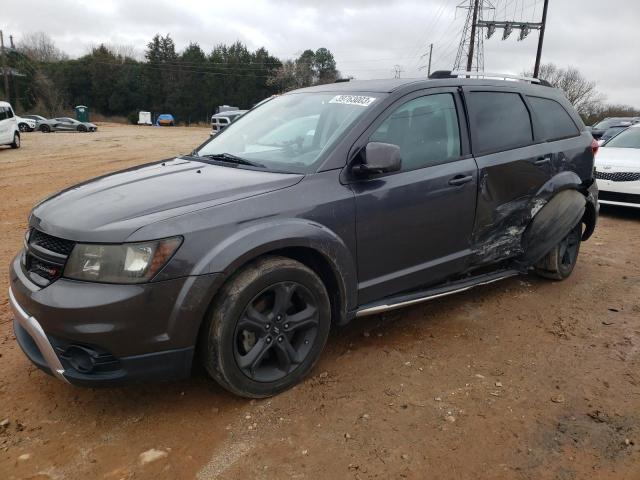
(23, 127)
(561, 260)
(16, 141)
(45, 128)
(267, 328)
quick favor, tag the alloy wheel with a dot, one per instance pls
(276, 331)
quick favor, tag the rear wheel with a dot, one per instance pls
(267, 328)
(561, 260)
(16, 141)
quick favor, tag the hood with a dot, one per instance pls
(111, 208)
(628, 158)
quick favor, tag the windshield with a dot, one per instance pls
(290, 133)
(630, 138)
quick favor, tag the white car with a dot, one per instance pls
(9, 132)
(618, 169)
(26, 124)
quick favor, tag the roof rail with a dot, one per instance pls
(499, 76)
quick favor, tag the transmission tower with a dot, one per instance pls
(470, 54)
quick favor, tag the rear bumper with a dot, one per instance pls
(126, 333)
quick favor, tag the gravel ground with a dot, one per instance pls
(523, 379)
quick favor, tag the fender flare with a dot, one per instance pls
(553, 220)
(250, 243)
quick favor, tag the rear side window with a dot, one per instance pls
(499, 121)
(9, 112)
(3, 113)
(555, 120)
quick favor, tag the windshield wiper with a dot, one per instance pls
(228, 157)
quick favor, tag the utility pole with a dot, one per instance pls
(473, 35)
(536, 69)
(430, 54)
(5, 69)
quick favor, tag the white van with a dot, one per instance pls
(9, 132)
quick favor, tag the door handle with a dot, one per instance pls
(542, 161)
(460, 180)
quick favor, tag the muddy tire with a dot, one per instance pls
(561, 260)
(267, 328)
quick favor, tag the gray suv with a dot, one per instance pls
(319, 206)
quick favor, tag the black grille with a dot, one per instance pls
(619, 197)
(53, 244)
(48, 271)
(46, 262)
(619, 176)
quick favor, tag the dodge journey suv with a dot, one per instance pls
(316, 207)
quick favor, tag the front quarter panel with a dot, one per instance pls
(317, 213)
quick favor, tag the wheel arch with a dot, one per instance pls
(310, 243)
(558, 207)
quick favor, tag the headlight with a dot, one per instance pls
(126, 263)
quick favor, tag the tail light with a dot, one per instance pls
(594, 146)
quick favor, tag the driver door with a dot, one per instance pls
(414, 227)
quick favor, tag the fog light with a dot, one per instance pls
(80, 358)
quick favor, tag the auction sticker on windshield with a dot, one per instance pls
(353, 100)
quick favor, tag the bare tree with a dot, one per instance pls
(49, 98)
(120, 50)
(582, 93)
(39, 46)
(285, 77)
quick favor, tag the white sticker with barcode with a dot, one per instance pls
(353, 100)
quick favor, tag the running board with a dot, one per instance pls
(406, 299)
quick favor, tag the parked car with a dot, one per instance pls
(618, 169)
(373, 195)
(37, 118)
(26, 124)
(165, 120)
(9, 131)
(66, 124)
(598, 129)
(613, 131)
(220, 121)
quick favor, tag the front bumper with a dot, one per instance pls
(625, 194)
(128, 333)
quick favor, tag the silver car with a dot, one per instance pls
(65, 124)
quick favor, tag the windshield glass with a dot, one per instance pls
(630, 138)
(290, 133)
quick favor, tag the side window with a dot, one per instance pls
(9, 112)
(426, 130)
(555, 120)
(499, 121)
(3, 113)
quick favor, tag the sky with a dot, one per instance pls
(367, 37)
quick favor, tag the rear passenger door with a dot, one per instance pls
(513, 164)
(413, 227)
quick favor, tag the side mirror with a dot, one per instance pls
(379, 158)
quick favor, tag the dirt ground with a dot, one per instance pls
(524, 379)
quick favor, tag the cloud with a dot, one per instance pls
(367, 37)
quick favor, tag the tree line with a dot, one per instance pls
(190, 83)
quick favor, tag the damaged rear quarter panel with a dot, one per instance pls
(511, 193)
